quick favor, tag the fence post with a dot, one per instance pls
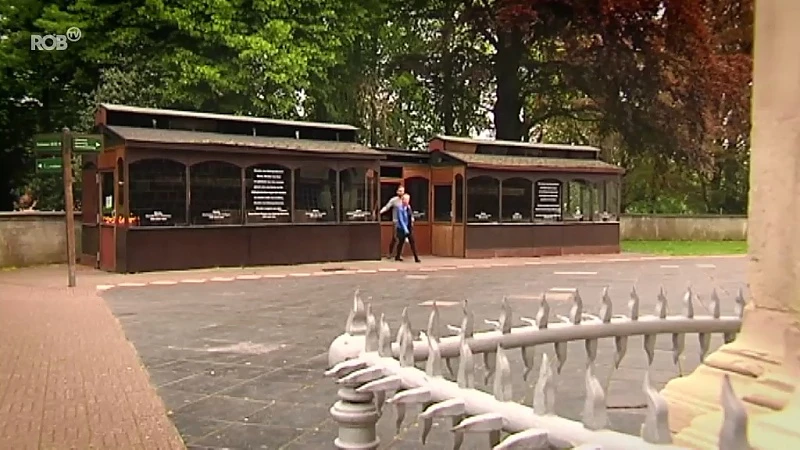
(355, 412)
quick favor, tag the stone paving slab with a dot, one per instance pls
(239, 364)
(69, 379)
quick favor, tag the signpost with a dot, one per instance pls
(49, 165)
(53, 155)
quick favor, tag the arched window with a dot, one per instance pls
(417, 189)
(216, 193)
(547, 201)
(612, 198)
(459, 208)
(517, 200)
(483, 199)
(353, 195)
(577, 202)
(268, 193)
(314, 194)
(157, 190)
(121, 184)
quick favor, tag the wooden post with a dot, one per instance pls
(69, 209)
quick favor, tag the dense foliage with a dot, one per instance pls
(662, 87)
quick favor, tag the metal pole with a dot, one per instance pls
(66, 162)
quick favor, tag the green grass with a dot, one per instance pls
(680, 248)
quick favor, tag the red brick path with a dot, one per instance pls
(68, 377)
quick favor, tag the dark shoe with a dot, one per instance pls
(417, 260)
(398, 259)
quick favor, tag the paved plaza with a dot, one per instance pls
(237, 355)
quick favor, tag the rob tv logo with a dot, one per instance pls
(50, 42)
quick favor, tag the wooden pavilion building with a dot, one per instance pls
(179, 190)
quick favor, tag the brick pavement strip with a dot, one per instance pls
(69, 379)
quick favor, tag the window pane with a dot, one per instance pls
(268, 192)
(121, 175)
(107, 188)
(372, 194)
(547, 200)
(459, 198)
(612, 198)
(216, 193)
(575, 201)
(314, 193)
(517, 200)
(388, 192)
(157, 189)
(443, 203)
(417, 188)
(483, 199)
(353, 191)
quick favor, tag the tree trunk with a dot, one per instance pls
(448, 116)
(508, 105)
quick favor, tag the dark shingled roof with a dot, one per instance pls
(534, 164)
(493, 142)
(199, 138)
(214, 116)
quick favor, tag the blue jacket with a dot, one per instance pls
(404, 219)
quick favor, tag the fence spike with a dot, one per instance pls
(380, 399)
(466, 365)
(405, 324)
(454, 407)
(544, 392)
(620, 349)
(705, 344)
(361, 376)
(482, 423)
(502, 378)
(433, 366)
(595, 416)
(655, 429)
(661, 304)
(371, 339)
(384, 338)
(649, 341)
(384, 384)
(448, 362)
(345, 368)
(591, 349)
(528, 359)
(561, 355)
(528, 439)
(678, 345)
(407, 348)
(357, 319)
(543, 315)
(688, 303)
(715, 304)
(607, 308)
(633, 304)
(434, 327)
(468, 321)
(576, 312)
(506, 317)
(733, 434)
(740, 303)
(409, 396)
(489, 360)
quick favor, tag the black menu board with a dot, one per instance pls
(269, 195)
(547, 200)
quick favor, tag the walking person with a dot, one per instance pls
(394, 204)
(405, 228)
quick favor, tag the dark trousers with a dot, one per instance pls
(401, 241)
(393, 243)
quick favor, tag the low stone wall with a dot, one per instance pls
(31, 238)
(683, 227)
(35, 237)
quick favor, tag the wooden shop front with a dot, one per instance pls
(179, 190)
(499, 198)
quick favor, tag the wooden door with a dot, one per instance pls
(107, 242)
(443, 215)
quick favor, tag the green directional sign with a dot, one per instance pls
(49, 165)
(87, 143)
(47, 144)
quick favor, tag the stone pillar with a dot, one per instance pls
(757, 359)
(355, 412)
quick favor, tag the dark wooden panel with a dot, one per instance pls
(108, 248)
(542, 239)
(201, 247)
